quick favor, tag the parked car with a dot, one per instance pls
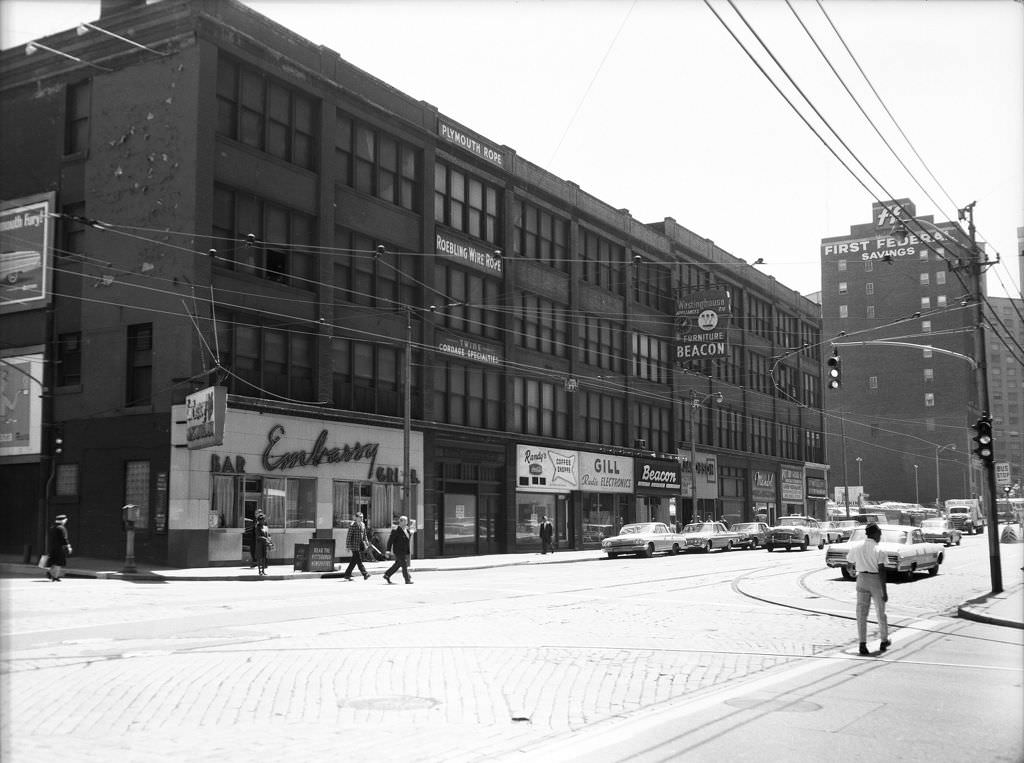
(845, 527)
(707, 536)
(795, 531)
(941, 531)
(642, 539)
(752, 534)
(831, 532)
(906, 551)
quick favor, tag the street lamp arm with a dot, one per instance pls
(942, 351)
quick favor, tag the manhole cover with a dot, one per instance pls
(392, 703)
(774, 705)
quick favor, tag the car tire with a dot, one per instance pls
(753, 543)
(769, 547)
(675, 549)
(728, 546)
(933, 571)
(611, 555)
(958, 540)
(821, 545)
(709, 547)
(648, 552)
(847, 575)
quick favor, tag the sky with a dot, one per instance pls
(652, 106)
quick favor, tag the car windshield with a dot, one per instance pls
(745, 526)
(937, 524)
(647, 527)
(793, 522)
(847, 523)
(698, 527)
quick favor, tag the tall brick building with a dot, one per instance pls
(896, 300)
(233, 207)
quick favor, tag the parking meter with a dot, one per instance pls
(129, 516)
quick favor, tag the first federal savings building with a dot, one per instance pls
(245, 247)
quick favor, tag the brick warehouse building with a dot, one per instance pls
(233, 206)
(900, 418)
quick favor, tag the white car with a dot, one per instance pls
(707, 536)
(906, 551)
(642, 539)
(795, 531)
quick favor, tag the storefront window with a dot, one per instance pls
(380, 503)
(226, 501)
(529, 510)
(603, 515)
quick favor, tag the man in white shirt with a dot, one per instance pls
(869, 561)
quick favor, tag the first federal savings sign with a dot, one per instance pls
(701, 322)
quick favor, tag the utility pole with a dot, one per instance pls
(981, 375)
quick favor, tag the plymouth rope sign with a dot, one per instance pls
(702, 319)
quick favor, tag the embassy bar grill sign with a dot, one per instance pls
(702, 319)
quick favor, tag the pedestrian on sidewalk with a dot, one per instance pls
(264, 544)
(869, 562)
(356, 542)
(547, 532)
(400, 544)
(59, 547)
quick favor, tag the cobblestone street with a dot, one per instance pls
(464, 666)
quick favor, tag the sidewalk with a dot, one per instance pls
(84, 567)
(1005, 609)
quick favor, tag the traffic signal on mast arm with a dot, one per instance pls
(835, 371)
(58, 439)
(983, 438)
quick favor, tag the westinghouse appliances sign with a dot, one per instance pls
(702, 319)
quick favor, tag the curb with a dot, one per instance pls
(72, 572)
(970, 610)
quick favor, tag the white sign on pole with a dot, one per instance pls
(1002, 473)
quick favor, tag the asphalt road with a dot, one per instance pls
(671, 658)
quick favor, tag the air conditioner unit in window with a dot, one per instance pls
(640, 444)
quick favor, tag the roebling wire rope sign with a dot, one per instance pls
(702, 320)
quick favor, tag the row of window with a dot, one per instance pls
(290, 502)
(924, 279)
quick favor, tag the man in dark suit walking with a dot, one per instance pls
(547, 533)
(400, 543)
(356, 543)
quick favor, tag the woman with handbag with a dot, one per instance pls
(263, 543)
(59, 547)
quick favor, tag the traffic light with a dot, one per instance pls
(983, 438)
(58, 440)
(835, 371)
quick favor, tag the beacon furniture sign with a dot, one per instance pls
(701, 322)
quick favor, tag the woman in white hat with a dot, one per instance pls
(60, 548)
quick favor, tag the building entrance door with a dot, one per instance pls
(460, 525)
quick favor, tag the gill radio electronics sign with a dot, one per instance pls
(702, 320)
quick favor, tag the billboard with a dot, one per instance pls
(21, 404)
(26, 252)
(702, 319)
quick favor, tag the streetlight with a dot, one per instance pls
(938, 450)
(860, 479)
(696, 401)
(917, 493)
